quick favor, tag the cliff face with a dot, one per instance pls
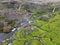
(43, 0)
(35, 1)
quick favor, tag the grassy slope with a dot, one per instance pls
(50, 35)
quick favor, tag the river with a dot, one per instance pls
(6, 36)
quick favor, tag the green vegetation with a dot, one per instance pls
(4, 43)
(1, 28)
(2, 17)
(46, 32)
(6, 23)
(11, 22)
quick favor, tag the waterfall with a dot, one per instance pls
(53, 9)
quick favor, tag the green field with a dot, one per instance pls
(44, 30)
(45, 33)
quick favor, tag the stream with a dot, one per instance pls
(10, 34)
